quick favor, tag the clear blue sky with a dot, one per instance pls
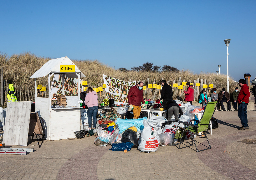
(187, 34)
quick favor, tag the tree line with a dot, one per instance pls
(150, 67)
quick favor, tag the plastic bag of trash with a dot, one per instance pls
(114, 136)
(148, 141)
(122, 146)
(165, 139)
(130, 136)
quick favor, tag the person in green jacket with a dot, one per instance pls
(235, 95)
(203, 99)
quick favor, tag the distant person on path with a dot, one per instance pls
(224, 97)
(235, 95)
(243, 100)
(203, 99)
(91, 100)
(174, 108)
(189, 94)
(166, 94)
(135, 98)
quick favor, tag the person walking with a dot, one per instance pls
(243, 100)
(91, 100)
(235, 95)
(189, 94)
(135, 98)
(203, 99)
(224, 97)
(166, 94)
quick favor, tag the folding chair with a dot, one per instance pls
(201, 127)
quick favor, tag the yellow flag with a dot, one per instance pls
(175, 85)
(39, 86)
(158, 86)
(144, 87)
(205, 86)
(85, 88)
(197, 84)
(100, 88)
(43, 88)
(104, 86)
(154, 85)
(210, 85)
(184, 83)
(180, 87)
(84, 83)
(149, 85)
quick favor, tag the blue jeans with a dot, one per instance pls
(242, 114)
(92, 112)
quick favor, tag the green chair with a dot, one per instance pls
(202, 126)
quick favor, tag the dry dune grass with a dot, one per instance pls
(19, 68)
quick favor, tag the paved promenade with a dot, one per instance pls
(229, 158)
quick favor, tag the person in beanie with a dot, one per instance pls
(135, 98)
(243, 100)
(189, 94)
(166, 94)
(224, 97)
(235, 95)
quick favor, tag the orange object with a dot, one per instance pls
(125, 151)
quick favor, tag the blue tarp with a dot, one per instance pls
(124, 124)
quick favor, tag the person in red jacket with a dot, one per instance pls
(243, 100)
(189, 94)
(135, 98)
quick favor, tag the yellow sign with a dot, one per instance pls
(100, 88)
(184, 83)
(175, 85)
(85, 88)
(104, 86)
(197, 84)
(192, 84)
(180, 87)
(158, 86)
(154, 85)
(67, 68)
(149, 85)
(210, 85)
(96, 89)
(43, 88)
(84, 83)
(39, 86)
(205, 86)
(144, 87)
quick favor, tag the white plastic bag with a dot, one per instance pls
(148, 140)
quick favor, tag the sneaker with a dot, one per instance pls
(247, 127)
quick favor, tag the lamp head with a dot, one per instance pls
(227, 41)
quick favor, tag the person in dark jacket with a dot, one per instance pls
(189, 94)
(224, 97)
(243, 100)
(135, 98)
(235, 95)
(166, 94)
(174, 108)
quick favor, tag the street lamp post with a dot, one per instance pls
(219, 68)
(227, 41)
